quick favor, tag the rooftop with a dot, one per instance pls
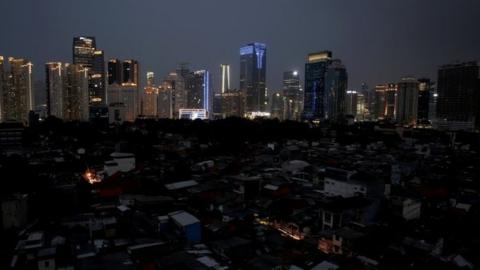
(183, 218)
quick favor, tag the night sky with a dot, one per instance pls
(378, 40)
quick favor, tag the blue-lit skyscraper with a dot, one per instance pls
(200, 96)
(315, 72)
(253, 67)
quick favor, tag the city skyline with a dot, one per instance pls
(417, 43)
(254, 134)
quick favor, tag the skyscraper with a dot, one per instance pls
(315, 71)
(351, 103)
(150, 78)
(55, 75)
(166, 96)
(184, 89)
(150, 97)
(432, 111)
(253, 66)
(225, 78)
(114, 71)
(83, 50)
(85, 53)
(230, 103)
(361, 111)
(293, 94)
(385, 98)
(130, 73)
(75, 96)
(368, 111)
(2, 79)
(67, 91)
(200, 96)
(425, 92)
(407, 101)
(391, 93)
(173, 94)
(97, 79)
(17, 95)
(277, 110)
(458, 105)
(336, 88)
(380, 104)
(124, 87)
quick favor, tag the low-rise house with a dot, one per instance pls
(188, 225)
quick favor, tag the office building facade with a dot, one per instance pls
(407, 101)
(124, 87)
(425, 95)
(149, 106)
(253, 68)
(293, 93)
(458, 101)
(200, 95)
(385, 100)
(75, 96)
(315, 82)
(17, 95)
(55, 76)
(114, 71)
(86, 54)
(229, 104)
(336, 88)
(351, 102)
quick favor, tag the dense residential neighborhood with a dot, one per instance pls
(237, 194)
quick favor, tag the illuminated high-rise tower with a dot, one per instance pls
(351, 103)
(391, 93)
(368, 95)
(385, 101)
(293, 93)
(75, 96)
(55, 76)
(67, 91)
(380, 104)
(150, 97)
(150, 78)
(253, 67)
(325, 87)
(225, 78)
(85, 53)
(17, 94)
(123, 87)
(315, 71)
(97, 79)
(166, 96)
(130, 75)
(200, 96)
(114, 71)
